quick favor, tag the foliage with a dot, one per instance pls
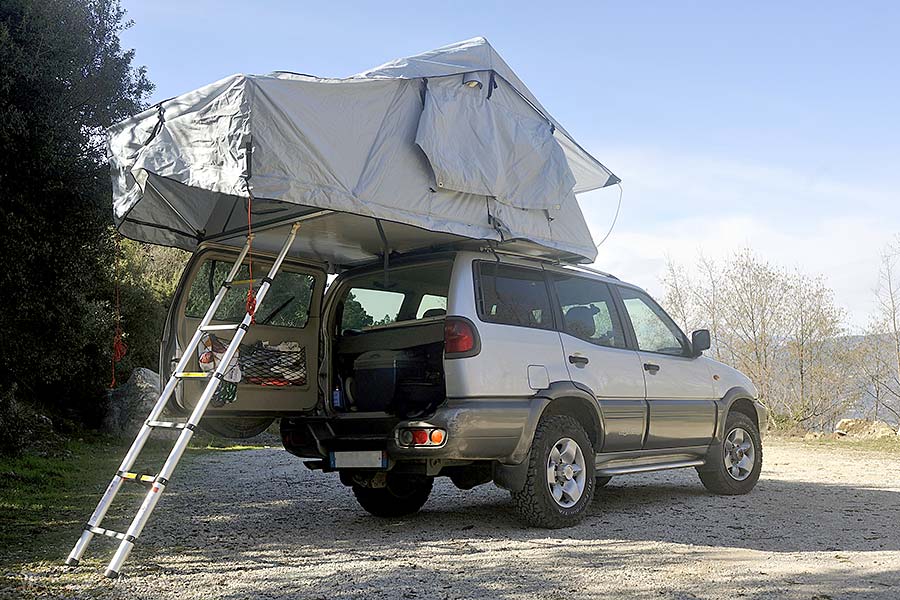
(780, 328)
(64, 79)
(878, 373)
(147, 276)
(355, 316)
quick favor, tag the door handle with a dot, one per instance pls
(578, 360)
(651, 368)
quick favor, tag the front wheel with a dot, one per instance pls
(559, 485)
(402, 495)
(733, 466)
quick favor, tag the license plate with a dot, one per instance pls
(362, 459)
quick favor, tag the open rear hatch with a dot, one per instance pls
(275, 372)
(387, 339)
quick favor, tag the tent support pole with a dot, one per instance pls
(385, 251)
(266, 225)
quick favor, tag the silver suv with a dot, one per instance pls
(542, 378)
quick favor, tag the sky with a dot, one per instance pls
(770, 125)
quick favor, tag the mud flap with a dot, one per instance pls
(511, 477)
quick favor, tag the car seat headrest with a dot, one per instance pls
(580, 321)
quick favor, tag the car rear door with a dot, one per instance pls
(680, 391)
(594, 342)
(279, 353)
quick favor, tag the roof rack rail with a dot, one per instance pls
(596, 271)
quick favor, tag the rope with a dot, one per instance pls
(119, 348)
(251, 293)
(615, 217)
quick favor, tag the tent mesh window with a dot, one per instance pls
(268, 366)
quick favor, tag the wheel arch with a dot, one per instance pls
(560, 398)
(739, 399)
(581, 411)
(578, 402)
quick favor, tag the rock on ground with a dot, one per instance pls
(128, 405)
(863, 428)
(821, 524)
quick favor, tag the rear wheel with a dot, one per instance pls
(236, 428)
(560, 482)
(733, 466)
(402, 495)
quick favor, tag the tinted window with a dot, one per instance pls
(286, 304)
(513, 296)
(588, 310)
(406, 294)
(654, 330)
(370, 308)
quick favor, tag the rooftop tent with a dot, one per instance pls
(441, 148)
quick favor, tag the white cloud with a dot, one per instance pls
(681, 206)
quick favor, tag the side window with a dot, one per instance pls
(654, 329)
(588, 310)
(287, 302)
(432, 306)
(365, 308)
(513, 296)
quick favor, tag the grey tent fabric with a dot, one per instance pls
(408, 143)
(480, 145)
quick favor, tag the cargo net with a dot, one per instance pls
(257, 364)
(281, 365)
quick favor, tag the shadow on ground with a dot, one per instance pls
(270, 528)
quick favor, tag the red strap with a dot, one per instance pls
(119, 348)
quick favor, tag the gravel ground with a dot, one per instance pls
(821, 524)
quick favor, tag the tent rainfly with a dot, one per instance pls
(432, 150)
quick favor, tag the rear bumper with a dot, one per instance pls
(495, 429)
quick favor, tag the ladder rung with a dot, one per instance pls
(167, 424)
(136, 477)
(242, 282)
(107, 532)
(159, 482)
(229, 327)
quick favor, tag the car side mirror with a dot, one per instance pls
(699, 342)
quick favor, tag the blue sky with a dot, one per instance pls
(759, 124)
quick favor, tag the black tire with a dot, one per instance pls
(716, 476)
(600, 482)
(403, 495)
(535, 504)
(235, 427)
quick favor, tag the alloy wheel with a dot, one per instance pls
(566, 472)
(740, 454)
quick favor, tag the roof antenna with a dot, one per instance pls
(616, 217)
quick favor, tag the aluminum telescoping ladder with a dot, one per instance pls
(158, 482)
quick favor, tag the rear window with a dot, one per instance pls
(403, 294)
(286, 304)
(513, 296)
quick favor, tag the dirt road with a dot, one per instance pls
(822, 524)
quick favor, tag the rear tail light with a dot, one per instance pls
(460, 337)
(422, 437)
